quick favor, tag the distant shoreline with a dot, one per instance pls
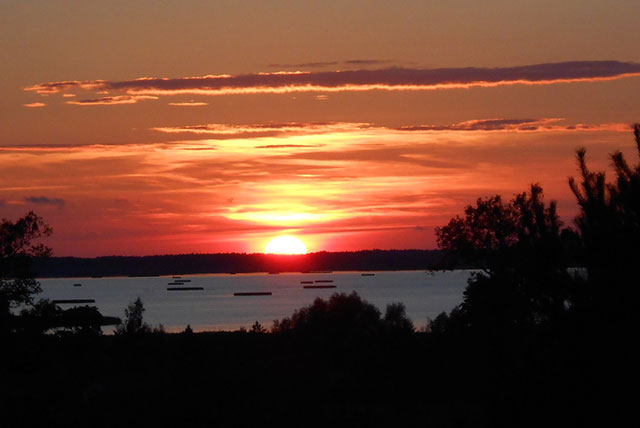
(236, 263)
(254, 273)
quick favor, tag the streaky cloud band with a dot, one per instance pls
(219, 130)
(390, 79)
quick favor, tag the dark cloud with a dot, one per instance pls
(43, 200)
(405, 79)
(122, 99)
(325, 64)
(544, 124)
(484, 125)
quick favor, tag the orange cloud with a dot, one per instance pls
(35, 105)
(189, 104)
(56, 87)
(218, 130)
(263, 129)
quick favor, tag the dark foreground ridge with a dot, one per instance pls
(236, 263)
(339, 362)
(248, 379)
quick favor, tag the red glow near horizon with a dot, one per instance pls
(339, 190)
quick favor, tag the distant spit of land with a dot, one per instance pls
(237, 263)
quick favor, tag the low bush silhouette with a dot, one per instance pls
(344, 315)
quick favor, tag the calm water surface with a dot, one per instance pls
(215, 307)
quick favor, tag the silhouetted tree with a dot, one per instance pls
(520, 247)
(341, 315)
(396, 320)
(85, 320)
(17, 249)
(523, 252)
(609, 223)
(41, 317)
(45, 316)
(257, 328)
(133, 323)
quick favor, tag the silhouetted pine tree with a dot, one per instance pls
(133, 323)
(609, 223)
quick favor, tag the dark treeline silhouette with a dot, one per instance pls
(526, 281)
(236, 262)
(535, 342)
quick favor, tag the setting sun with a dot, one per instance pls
(285, 245)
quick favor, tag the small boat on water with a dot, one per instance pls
(77, 285)
(253, 293)
(71, 301)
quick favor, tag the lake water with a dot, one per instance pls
(424, 294)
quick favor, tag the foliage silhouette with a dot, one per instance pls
(45, 316)
(18, 247)
(609, 223)
(133, 322)
(343, 315)
(521, 248)
(41, 317)
(257, 328)
(396, 319)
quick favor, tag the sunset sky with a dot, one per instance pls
(158, 127)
